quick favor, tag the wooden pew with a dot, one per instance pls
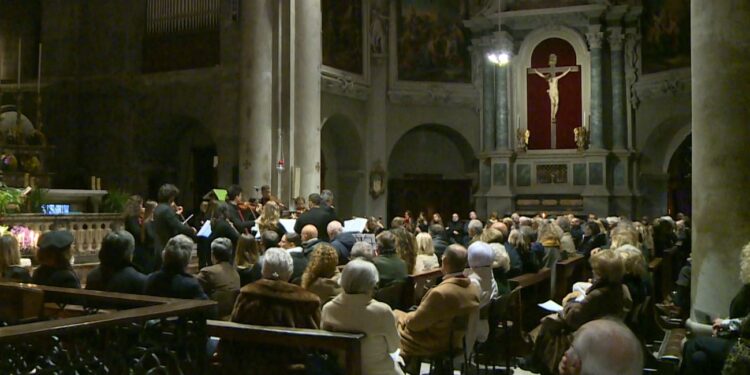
(569, 271)
(417, 285)
(310, 339)
(534, 290)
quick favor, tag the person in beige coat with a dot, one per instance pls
(221, 282)
(427, 330)
(356, 311)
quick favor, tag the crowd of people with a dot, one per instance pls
(320, 277)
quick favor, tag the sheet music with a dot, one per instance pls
(356, 225)
(205, 230)
(551, 306)
(288, 224)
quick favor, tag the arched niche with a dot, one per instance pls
(524, 60)
(341, 165)
(431, 168)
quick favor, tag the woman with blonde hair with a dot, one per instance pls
(10, 261)
(269, 219)
(406, 248)
(245, 258)
(321, 275)
(636, 274)
(426, 258)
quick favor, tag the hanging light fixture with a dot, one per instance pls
(498, 56)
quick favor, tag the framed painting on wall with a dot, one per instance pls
(432, 42)
(343, 39)
(666, 35)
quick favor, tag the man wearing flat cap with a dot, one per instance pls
(54, 258)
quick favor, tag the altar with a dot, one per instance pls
(555, 108)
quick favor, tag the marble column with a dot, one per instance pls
(619, 125)
(501, 110)
(256, 98)
(488, 96)
(720, 51)
(594, 37)
(307, 122)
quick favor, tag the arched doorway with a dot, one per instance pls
(341, 165)
(431, 169)
(679, 197)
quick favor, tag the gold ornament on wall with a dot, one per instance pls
(377, 181)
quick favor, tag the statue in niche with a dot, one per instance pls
(378, 22)
(551, 77)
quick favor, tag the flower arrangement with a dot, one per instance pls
(26, 238)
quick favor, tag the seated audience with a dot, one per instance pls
(567, 245)
(246, 256)
(356, 311)
(309, 239)
(54, 257)
(605, 297)
(439, 240)
(321, 275)
(603, 347)
(362, 250)
(481, 256)
(340, 240)
(501, 261)
(10, 261)
(426, 331)
(273, 301)
(406, 248)
(268, 239)
(738, 359)
(473, 231)
(592, 239)
(707, 354)
(172, 280)
(549, 235)
(115, 272)
(520, 242)
(220, 281)
(426, 258)
(390, 266)
(636, 273)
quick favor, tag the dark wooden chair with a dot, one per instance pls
(506, 338)
(392, 295)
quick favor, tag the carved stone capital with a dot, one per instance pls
(594, 38)
(344, 85)
(616, 38)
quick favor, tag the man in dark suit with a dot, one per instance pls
(439, 240)
(317, 216)
(341, 241)
(167, 223)
(242, 221)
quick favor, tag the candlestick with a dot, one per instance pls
(93, 182)
(20, 43)
(39, 72)
(26, 179)
(33, 182)
(98, 183)
(518, 122)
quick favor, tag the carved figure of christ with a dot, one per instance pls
(550, 75)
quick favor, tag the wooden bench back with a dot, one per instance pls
(310, 339)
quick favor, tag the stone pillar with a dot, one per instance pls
(502, 137)
(594, 37)
(307, 61)
(488, 108)
(720, 49)
(619, 125)
(256, 98)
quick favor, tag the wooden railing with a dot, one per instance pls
(138, 333)
(309, 340)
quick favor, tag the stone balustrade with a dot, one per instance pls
(88, 229)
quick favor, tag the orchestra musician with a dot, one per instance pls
(168, 221)
(242, 215)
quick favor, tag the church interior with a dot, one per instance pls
(375, 186)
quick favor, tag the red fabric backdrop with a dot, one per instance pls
(538, 106)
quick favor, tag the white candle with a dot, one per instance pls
(518, 121)
(19, 63)
(98, 183)
(93, 182)
(39, 72)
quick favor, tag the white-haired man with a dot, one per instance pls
(340, 240)
(603, 347)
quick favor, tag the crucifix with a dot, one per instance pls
(550, 75)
